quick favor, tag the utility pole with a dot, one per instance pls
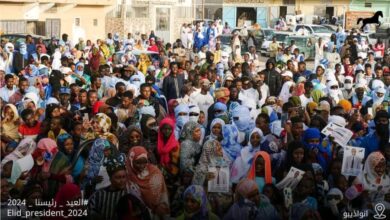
(203, 1)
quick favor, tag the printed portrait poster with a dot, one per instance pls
(292, 179)
(352, 161)
(220, 182)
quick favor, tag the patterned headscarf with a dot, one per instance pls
(150, 181)
(61, 142)
(230, 141)
(209, 157)
(115, 163)
(295, 100)
(96, 156)
(198, 194)
(136, 153)
(213, 123)
(104, 122)
(188, 130)
(369, 167)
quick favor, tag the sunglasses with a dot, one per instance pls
(194, 114)
(334, 87)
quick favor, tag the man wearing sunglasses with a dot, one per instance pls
(378, 97)
(334, 93)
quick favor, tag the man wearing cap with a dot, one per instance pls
(64, 97)
(203, 99)
(286, 76)
(248, 92)
(323, 110)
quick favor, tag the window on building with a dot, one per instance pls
(288, 2)
(162, 19)
(141, 12)
(129, 9)
(184, 12)
(95, 22)
(77, 21)
(368, 4)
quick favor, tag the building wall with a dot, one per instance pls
(87, 16)
(135, 24)
(377, 5)
(306, 7)
(67, 15)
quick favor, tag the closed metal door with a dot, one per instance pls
(229, 15)
(262, 15)
(163, 23)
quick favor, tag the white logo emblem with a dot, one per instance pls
(379, 209)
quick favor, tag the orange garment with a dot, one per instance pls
(267, 167)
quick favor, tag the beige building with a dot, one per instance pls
(266, 12)
(164, 17)
(77, 18)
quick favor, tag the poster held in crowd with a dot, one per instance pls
(220, 182)
(106, 179)
(340, 134)
(26, 163)
(292, 179)
(352, 161)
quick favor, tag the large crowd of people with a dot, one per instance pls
(143, 129)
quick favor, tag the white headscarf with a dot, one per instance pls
(369, 178)
(333, 93)
(378, 100)
(194, 109)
